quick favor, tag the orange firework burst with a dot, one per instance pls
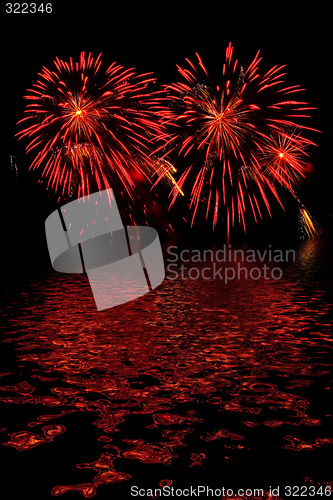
(230, 141)
(89, 127)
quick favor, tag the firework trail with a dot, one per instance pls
(89, 127)
(308, 226)
(235, 144)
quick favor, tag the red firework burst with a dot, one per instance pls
(90, 127)
(283, 157)
(224, 138)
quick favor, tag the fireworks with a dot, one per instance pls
(90, 127)
(283, 157)
(237, 143)
(231, 150)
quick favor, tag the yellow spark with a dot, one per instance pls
(166, 168)
(309, 225)
(175, 184)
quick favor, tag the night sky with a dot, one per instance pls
(155, 36)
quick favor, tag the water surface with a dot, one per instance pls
(198, 382)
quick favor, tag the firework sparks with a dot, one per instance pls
(283, 157)
(165, 170)
(90, 127)
(310, 228)
(230, 142)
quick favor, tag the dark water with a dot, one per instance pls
(198, 382)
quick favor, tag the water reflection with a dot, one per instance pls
(168, 368)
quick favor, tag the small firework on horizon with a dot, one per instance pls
(236, 144)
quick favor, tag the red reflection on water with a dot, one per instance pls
(26, 440)
(88, 490)
(223, 433)
(298, 445)
(165, 482)
(23, 388)
(148, 453)
(248, 350)
(197, 459)
(106, 474)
